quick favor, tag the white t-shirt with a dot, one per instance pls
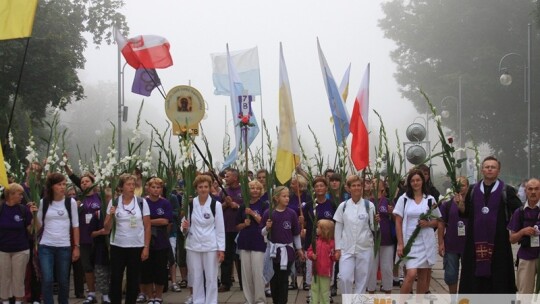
(129, 223)
(353, 232)
(56, 232)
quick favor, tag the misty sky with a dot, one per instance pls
(348, 33)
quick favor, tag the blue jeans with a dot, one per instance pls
(54, 259)
(451, 267)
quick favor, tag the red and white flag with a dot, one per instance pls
(359, 125)
(144, 51)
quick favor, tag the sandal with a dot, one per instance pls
(141, 298)
(175, 288)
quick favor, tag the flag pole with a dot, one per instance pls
(120, 103)
(16, 92)
(262, 117)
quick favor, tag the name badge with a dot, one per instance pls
(88, 218)
(535, 241)
(461, 229)
(133, 222)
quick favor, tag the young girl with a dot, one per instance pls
(282, 230)
(323, 261)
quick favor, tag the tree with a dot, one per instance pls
(55, 52)
(440, 41)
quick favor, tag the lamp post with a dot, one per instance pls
(506, 80)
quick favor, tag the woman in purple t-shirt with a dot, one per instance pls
(154, 270)
(282, 230)
(251, 244)
(14, 247)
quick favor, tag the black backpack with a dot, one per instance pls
(212, 207)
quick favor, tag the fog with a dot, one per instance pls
(347, 31)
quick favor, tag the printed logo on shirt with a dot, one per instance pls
(383, 209)
(160, 211)
(206, 215)
(287, 225)
(94, 205)
(17, 218)
(328, 214)
(60, 212)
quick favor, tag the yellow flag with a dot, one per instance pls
(17, 18)
(288, 149)
(3, 173)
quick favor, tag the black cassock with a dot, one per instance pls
(502, 279)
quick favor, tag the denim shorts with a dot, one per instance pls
(451, 267)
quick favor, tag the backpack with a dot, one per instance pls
(526, 240)
(67, 204)
(366, 205)
(212, 207)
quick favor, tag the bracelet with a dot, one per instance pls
(77, 245)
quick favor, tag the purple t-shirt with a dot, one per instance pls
(453, 243)
(285, 226)
(385, 222)
(13, 234)
(160, 209)
(294, 203)
(250, 238)
(530, 218)
(323, 210)
(89, 206)
(230, 214)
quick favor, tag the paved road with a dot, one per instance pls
(235, 295)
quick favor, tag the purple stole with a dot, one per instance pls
(484, 227)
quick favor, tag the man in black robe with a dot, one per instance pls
(488, 264)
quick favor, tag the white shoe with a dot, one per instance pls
(189, 300)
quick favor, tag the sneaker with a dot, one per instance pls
(183, 284)
(151, 301)
(268, 293)
(141, 298)
(331, 299)
(293, 286)
(306, 286)
(395, 283)
(189, 300)
(175, 288)
(90, 300)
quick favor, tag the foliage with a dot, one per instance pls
(55, 53)
(447, 151)
(439, 41)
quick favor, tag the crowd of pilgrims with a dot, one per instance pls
(324, 240)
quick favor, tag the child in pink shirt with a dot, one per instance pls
(323, 262)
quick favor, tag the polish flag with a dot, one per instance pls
(144, 51)
(359, 125)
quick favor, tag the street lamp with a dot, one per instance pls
(506, 80)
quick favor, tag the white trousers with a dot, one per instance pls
(12, 271)
(384, 260)
(203, 265)
(354, 269)
(252, 276)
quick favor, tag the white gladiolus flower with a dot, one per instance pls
(8, 166)
(62, 163)
(448, 191)
(438, 118)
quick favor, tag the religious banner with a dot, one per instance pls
(185, 108)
